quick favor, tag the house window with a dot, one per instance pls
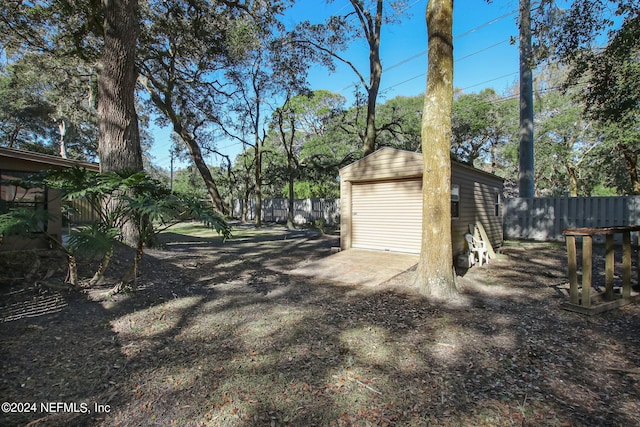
(15, 196)
(455, 201)
(498, 210)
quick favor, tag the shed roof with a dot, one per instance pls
(391, 163)
(45, 159)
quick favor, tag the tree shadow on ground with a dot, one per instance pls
(231, 339)
(57, 349)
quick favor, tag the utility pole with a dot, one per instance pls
(526, 184)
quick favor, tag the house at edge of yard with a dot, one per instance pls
(381, 202)
(15, 164)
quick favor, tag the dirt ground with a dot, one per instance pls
(218, 334)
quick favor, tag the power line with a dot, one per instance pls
(545, 90)
(456, 60)
(418, 55)
(402, 82)
(492, 80)
(457, 37)
(482, 50)
(486, 24)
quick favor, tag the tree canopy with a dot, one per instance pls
(218, 70)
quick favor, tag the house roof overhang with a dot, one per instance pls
(46, 159)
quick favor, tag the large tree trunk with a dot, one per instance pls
(119, 145)
(119, 137)
(434, 275)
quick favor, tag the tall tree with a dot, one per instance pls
(609, 71)
(24, 114)
(253, 85)
(481, 123)
(272, 67)
(48, 102)
(285, 118)
(119, 137)
(434, 275)
(299, 120)
(332, 37)
(89, 32)
(574, 36)
(472, 126)
(105, 32)
(566, 138)
(401, 117)
(188, 48)
(183, 47)
(371, 24)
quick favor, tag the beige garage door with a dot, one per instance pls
(387, 215)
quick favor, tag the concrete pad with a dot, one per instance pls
(359, 266)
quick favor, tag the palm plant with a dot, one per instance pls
(94, 240)
(116, 199)
(154, 209)
(89, 240)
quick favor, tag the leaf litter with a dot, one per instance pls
(211, 341)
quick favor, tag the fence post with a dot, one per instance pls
(573, 269)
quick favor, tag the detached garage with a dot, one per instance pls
(381, 202)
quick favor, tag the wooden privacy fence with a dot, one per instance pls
(80, 212)
(273, 210)
(304, 210)
(546, 218)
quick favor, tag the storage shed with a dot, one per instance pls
(381, 202)
(16, 164)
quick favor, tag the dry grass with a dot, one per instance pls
(220, 335)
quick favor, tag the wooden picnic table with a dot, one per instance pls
(583, 303)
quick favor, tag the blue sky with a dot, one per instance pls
(481, 48)
(483, 55)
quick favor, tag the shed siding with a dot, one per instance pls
(478, 192)
(384, 164)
